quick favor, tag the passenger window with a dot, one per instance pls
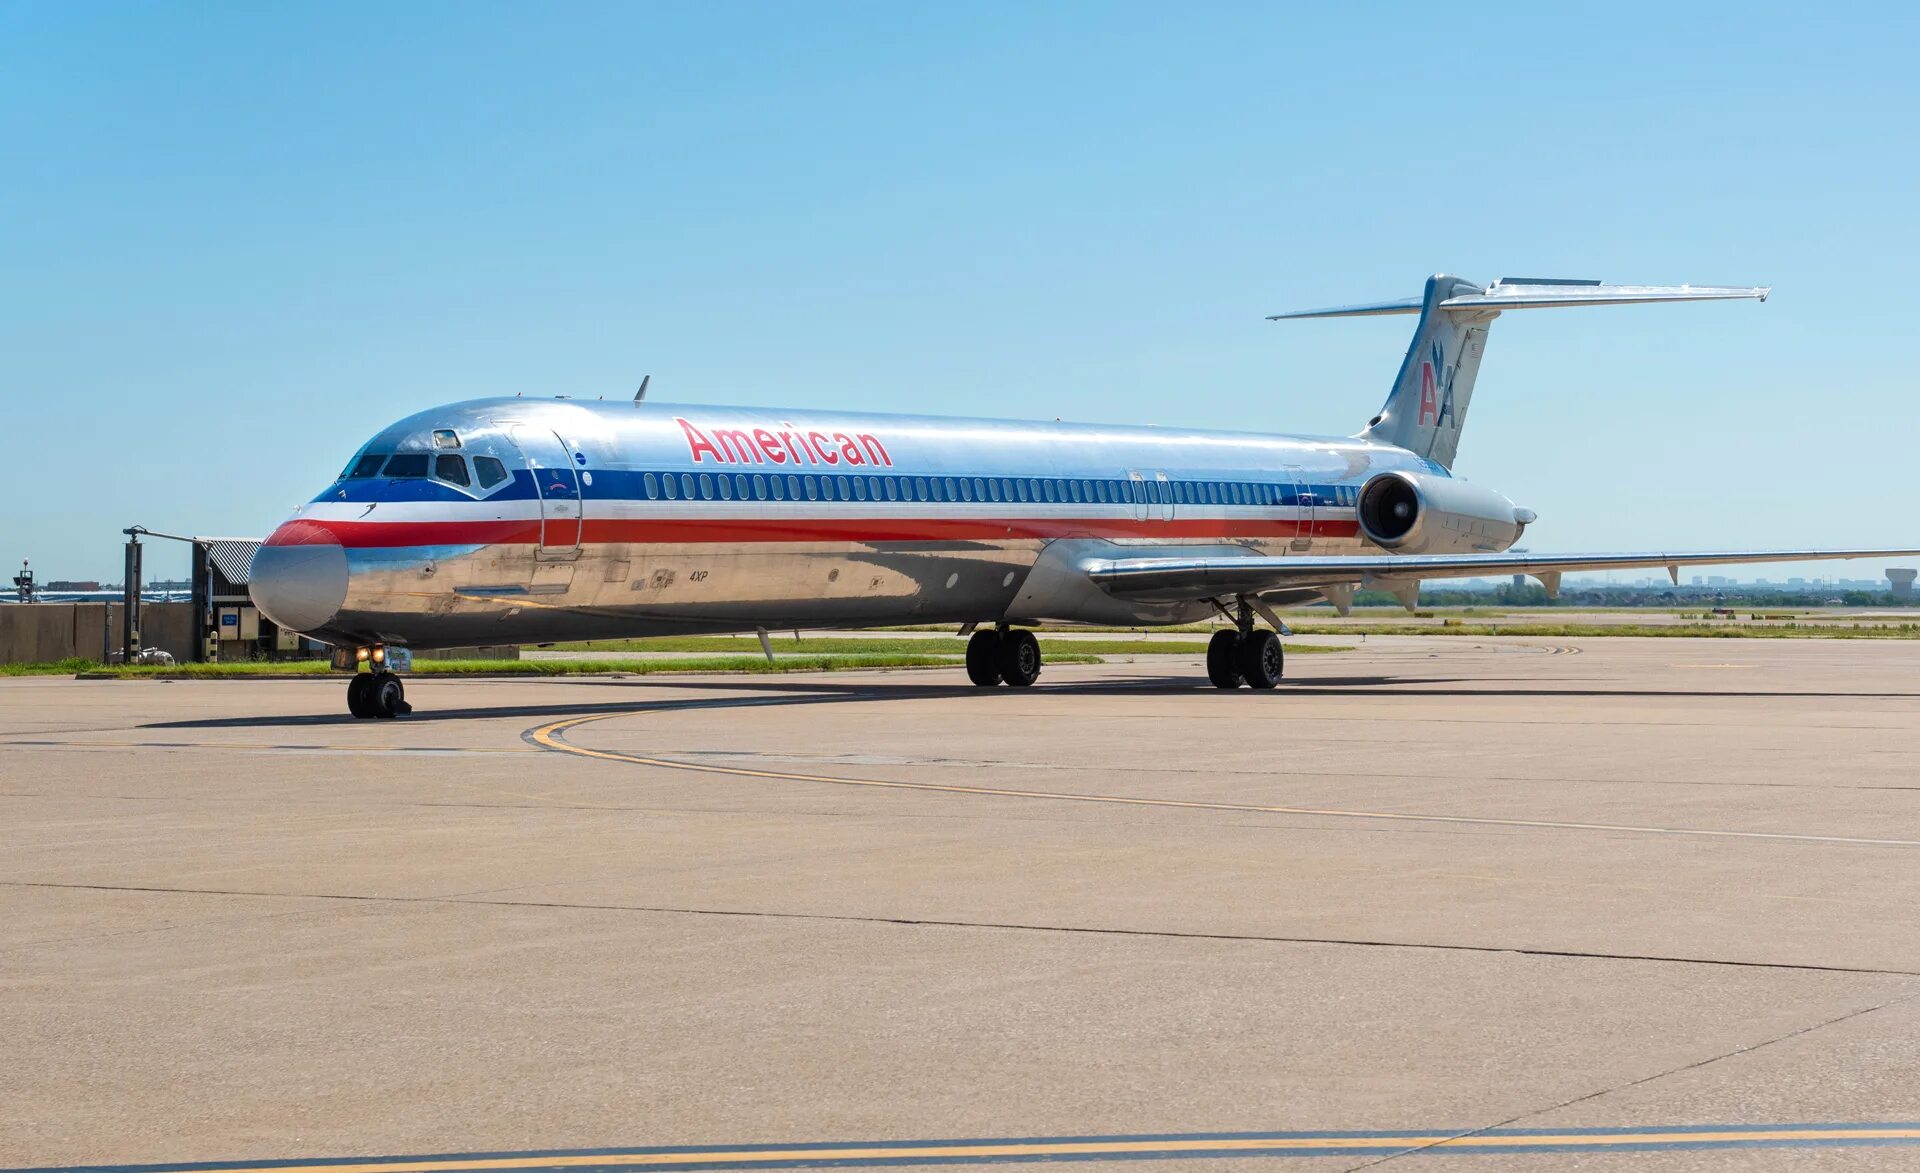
(1073, 487)
(813, 489)
(759, 487)
(706, 486)
(860, 488)
(793, 488)
(651, 485)
(920, 489)
(407, 466)
(490, 471)
(368, 465)
(777, 487)
(673, 490)
(451, 469)
(726, 487)
(892, 487)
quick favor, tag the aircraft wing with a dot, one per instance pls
(1171, 579)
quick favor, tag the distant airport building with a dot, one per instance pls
(1901, 581)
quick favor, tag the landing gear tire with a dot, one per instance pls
(388, 697)
(1261, 661)
(1223, 659)
(983, 658)
(1019, 658)
(359, 691)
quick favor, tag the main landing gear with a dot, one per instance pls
(1246, 655)
(1004, 654)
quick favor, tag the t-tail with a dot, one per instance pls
(1428, 404)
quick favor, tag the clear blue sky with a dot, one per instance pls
(238, 238)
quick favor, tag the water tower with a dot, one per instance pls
(1902, 581)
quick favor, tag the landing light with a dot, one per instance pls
(360, 654)
(379, 655)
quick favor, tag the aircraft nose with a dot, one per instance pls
(299, 576)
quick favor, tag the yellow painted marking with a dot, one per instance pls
(549, 737)
(1078, 1148)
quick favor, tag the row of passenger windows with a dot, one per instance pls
(444, 466)
(797, 487)
(488, 472)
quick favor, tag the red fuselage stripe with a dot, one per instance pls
(695, 531)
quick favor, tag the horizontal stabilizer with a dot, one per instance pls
(1522, 293)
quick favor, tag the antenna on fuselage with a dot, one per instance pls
(642, 392)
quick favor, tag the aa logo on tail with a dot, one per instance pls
(1436, 389)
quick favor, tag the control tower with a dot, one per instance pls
(1902, 581)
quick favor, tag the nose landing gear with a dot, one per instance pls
(378, 693)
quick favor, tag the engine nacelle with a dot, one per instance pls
(1417, 513)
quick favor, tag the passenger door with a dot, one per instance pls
(1308, 506)
(557, 484)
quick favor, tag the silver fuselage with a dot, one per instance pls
(620, 519)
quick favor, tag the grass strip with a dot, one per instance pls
(1606, 630)
(754, 665)
(876, 645)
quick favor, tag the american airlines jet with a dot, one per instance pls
(506, 521)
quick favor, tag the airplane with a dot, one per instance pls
(519, 521)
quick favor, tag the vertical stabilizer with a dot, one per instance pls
(1428, 404)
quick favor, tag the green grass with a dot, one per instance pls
(754, 664)
(1724, 630)
(65, 667)
(835, 645)
(870, 646)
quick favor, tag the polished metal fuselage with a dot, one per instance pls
(640, 519)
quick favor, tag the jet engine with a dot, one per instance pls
(1417, 513)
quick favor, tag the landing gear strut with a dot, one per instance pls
(1246, 655)
(1005, 654)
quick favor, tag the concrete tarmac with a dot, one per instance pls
(1429, 888)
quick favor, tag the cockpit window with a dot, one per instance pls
(407, 466)
(446, 438)
(368, 465)
(490, 471)
(451, 469)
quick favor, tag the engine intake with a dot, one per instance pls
(1417, 513)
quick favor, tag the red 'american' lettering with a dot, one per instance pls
(788, 446)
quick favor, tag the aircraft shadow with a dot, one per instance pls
(751, 693)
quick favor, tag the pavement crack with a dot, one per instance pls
(998, 926)
(1645, 1079)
